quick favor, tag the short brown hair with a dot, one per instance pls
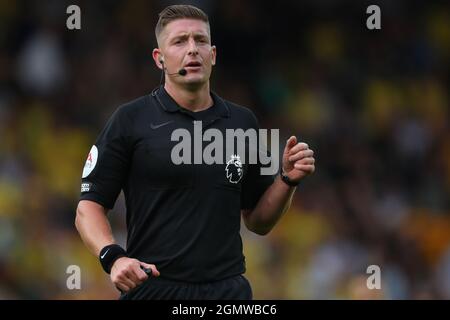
(179, 11)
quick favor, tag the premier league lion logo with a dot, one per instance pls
(234, 169)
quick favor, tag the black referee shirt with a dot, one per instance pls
(184, 218)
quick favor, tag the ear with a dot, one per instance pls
(158, 57)
(213, 55)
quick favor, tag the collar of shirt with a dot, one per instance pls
(169, 105)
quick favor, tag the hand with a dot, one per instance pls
(126, 273)
(298, 160)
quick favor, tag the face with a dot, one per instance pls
(185, 43)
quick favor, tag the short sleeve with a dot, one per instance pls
(255, 182)
(107, 164)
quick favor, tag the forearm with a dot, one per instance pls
(93, 226)
(270, 207)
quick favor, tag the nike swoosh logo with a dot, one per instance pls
(156, 126)
(103, 255)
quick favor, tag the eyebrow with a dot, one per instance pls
(186, 35)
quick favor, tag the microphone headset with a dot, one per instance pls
(181, 72)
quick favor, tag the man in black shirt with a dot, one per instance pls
(183, 220)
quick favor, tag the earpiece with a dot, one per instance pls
(181, 72)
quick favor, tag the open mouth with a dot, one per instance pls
(193, 65)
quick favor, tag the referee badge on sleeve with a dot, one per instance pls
(91, 161)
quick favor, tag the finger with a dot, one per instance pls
(155, 271)
(301, 154)
(130, 279)
(125, 282)
(308, 160)
(140, 274)
(122, 287)
(131, 284)
(291, 142)
(129, 273)
(305, 167)
(299, 147)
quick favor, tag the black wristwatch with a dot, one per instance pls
(286, 179)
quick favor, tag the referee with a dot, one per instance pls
(183, 221)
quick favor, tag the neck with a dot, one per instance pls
(195, 99)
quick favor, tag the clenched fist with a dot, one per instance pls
(126, 273)
(298, 160)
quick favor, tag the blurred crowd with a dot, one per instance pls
(374, 106)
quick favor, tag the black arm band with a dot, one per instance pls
(109, 254)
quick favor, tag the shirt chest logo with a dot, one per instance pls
(160, 125)
(234, 170)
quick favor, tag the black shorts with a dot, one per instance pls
(234, 288)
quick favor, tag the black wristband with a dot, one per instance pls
(109, 254)
(286, 179)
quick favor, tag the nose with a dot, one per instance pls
(192, 49)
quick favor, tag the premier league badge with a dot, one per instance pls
(234, 169)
